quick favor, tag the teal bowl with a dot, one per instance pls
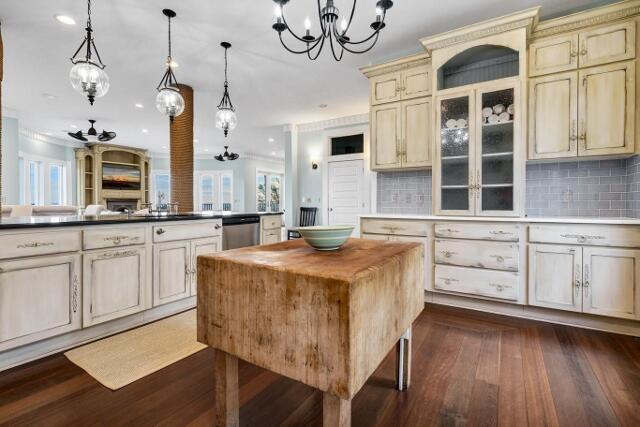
(326, 238)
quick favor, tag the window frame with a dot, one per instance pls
(44, 179)
(218, 192)
(269, 174)
(153, 190)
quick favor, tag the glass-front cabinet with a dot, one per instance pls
(475, 172)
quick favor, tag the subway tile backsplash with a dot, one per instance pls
(586, 188)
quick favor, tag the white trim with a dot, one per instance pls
(45, 163)
(218, 195)
(269, 174)
(356, 119)
(36, 136)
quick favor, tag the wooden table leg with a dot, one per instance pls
(336, 412)
(403, 352)
(227, 404)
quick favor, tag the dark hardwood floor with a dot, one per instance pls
(468, 368)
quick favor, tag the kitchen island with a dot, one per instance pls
(65, 281)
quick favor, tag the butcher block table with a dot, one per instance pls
(326, 319)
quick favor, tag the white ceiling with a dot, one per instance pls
(269, 86)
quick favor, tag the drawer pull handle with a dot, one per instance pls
(582, 238)
(448, 254)
(451, 230)
(217, 227)
(74, 293)
(499, 232)
(34, 245)
(499, 287)
(117, 254)
(448, 280)
(116, 240)
(160, 231)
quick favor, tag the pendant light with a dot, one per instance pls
(169, 101)
(226, 155)
(88, 76)
(226, 116)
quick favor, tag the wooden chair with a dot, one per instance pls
(307, 218)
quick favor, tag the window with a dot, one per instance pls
(351, 144)
(161, 189)
(214, 191)
(43, 181)
(269, 192)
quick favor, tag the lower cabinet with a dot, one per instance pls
(587, 279)
(115, 284)
(171, 271)
(39, 298)
(270, 236)
(202, 247)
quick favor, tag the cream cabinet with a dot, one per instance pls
(610, 284)
(201, 247)
(606, 111)
(401, 135)
(115, 284)
(588, 48)
(270, 229)
(171, 271)
(39, 298)
(553, 106)
(595, 280)
(555, 275)
(400, 85)
(585, 113)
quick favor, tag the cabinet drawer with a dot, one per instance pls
(270, 236)
(473, 281)
(478, 231)
(271, 222)
(112, 237)
(594, 235)
(470, 253)
(385, 226)
(32, 244)
(196, 230)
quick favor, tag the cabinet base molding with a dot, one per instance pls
(57, 344)
(579, 320)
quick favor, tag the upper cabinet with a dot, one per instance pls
(401, 114)
(582, 97)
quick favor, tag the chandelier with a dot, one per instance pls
(226, 116)
(226, 155)
(88, 76)
(329, 15)
(169, 101)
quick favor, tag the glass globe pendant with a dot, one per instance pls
(226, 116)
(169, 101)
(87, 76)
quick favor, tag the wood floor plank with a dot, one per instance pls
(468, 368)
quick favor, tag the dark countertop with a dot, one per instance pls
(78, 220)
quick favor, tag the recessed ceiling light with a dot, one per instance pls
(49, 95)
(164, 147)
(73, 126)
(195, 140)
(206, 149)
(174, 64)
(48, 133)
(273, 153)
(145, 130)
(323, 105)
(138, 105)
(271, 140)
(64, 19)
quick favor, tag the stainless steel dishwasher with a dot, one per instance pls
(239, 232)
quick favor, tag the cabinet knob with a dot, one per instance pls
(160, 231)
(217, 227)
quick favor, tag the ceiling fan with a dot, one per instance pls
(92, 135)
(226, 155)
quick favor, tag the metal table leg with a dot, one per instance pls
(403, 352)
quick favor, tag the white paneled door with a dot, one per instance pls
(346, 193)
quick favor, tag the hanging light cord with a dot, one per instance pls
(88, 13)
(169, 18)
(226, 83)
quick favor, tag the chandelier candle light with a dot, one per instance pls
(226, 116)
(169, 101)
(329, 15)
(88, 76)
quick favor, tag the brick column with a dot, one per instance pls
(181, 153)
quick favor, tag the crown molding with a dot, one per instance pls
(396, 65)
(289, 128)
(259, 157)
(527, 18)
(587, 18)
(334, 123)
(208, 156)
(37, 136)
